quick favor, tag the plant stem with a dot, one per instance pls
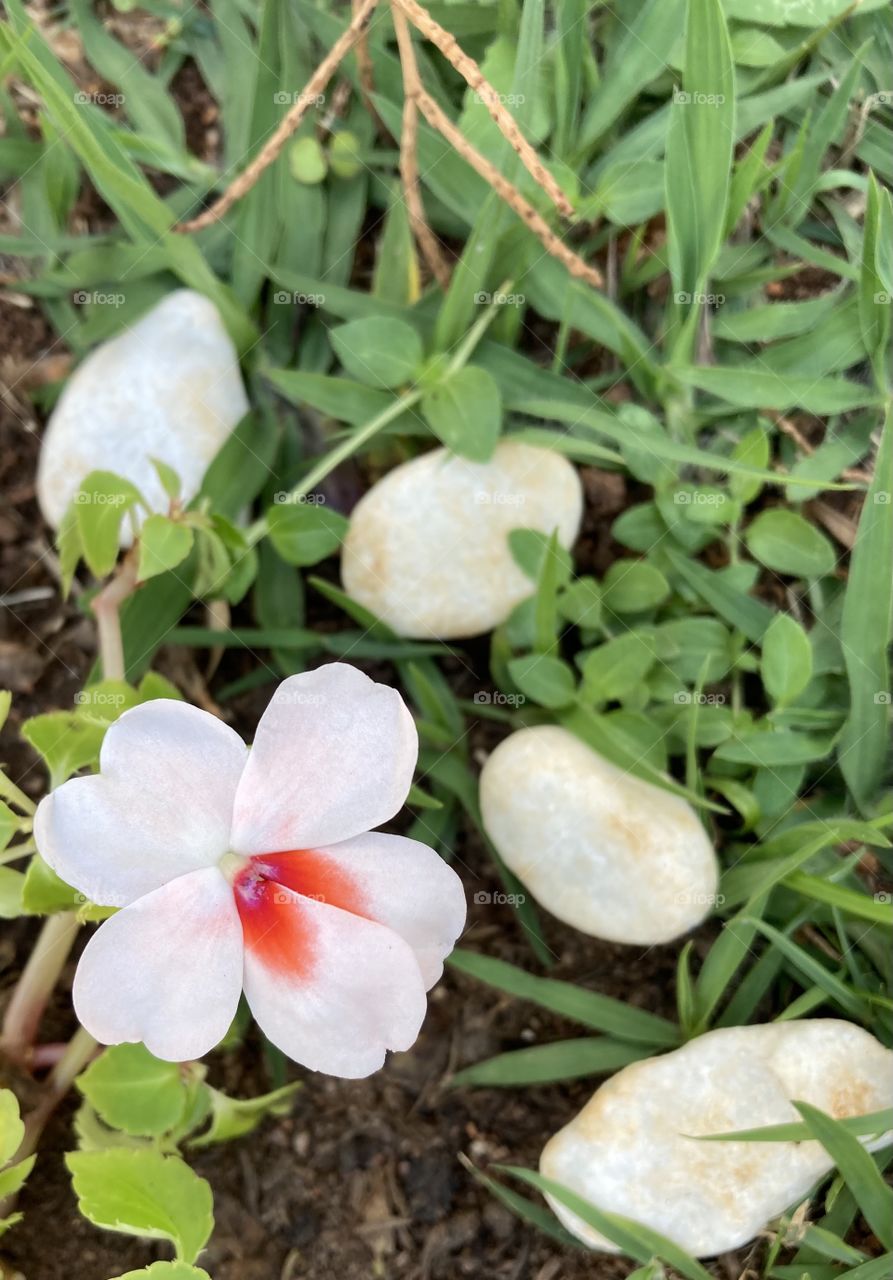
(36, 984)
(106, 609)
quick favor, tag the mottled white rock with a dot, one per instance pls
(630, 1150)
(427, 549)
(619, 858)
(169, 387)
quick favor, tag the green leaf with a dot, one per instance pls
(132, 1090)
(786, 664)
(547, 680)
(163, 544)
(170, 481)
(615, 668)
(699, 145)
(167, 1271)
(875, 301)
(602, 1013)
(865, 633)
(304, 533)
(786, 543)
(633, 1238)
(545, 1063)
(143, 1193)
(751, 387)
(233, 1117)
(632, 586)
(859, 1171)
(44, 892)
(101, 504)
(465, 412)
(12, 1130)
(66, 741)
(749, 616)
(378, 351)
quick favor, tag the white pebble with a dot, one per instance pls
(427, 550)
(169, 387)
(632, 1149)
(614, 856)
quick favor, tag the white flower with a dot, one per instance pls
(258, 870)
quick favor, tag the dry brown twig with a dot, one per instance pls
(409, 167)
(475, 79)
(289, 122)
(417, 99)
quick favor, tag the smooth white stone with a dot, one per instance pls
(611, 855)
(630, 1150)
(167, 388)
(427, 549)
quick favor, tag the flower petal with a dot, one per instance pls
(333, 756)
(332, 990)
(166, 970)
(397, 882)
(161, 805)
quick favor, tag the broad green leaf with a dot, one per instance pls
(547, 680)
(379, 351)
(785, 542)
(102, 502)
(616, 667)
(465, 412)
(66, 741)
(167, 1271)
(163, 544)
(786, 663)
(143, 1193)
(632, 586)
(304, 533)
(12, 1130)
(132, 1090)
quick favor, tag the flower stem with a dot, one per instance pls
(106, 607)
(33, 990)
(78, 1052)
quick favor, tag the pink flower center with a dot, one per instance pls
(278, 925)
